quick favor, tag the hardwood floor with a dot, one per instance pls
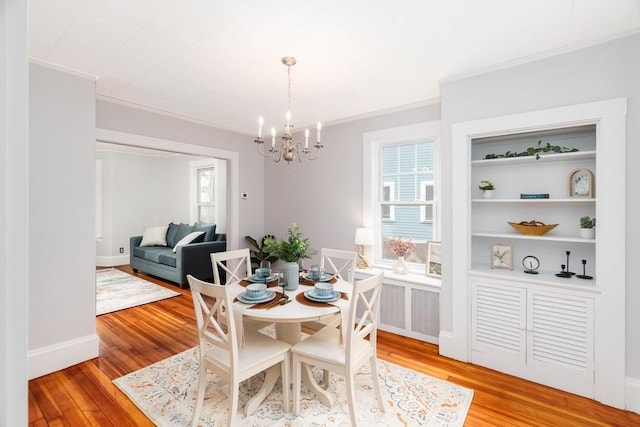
(131, 339)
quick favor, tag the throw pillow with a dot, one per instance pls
(155, 236)
(171, 234)
(189, 238)
(209, 230)
(183, 230)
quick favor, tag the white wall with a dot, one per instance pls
(139, 190)
(14, 148)
(120, 118)
(324, 196)
(605, 71)
(61, 220)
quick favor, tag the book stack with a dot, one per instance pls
(534, 195)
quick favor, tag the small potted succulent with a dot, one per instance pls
(487, 188)
(587, 227)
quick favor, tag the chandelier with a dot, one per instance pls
(287, 148)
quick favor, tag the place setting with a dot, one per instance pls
(259, 296)
(263, 274)
(317, 274)
(321, 293)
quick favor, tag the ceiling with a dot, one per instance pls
(218, 62)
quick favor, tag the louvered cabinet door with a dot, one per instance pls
(560, 329)
(498, 326)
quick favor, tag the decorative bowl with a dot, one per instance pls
(532, 228)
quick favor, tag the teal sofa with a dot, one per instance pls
(192, 258)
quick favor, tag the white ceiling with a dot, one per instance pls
(219, 61)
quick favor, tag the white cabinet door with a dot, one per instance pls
(543, 336)
(498, 326)
(560, 339)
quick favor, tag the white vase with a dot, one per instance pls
(588, 233)
(291, 275)
(487, 194)
(400, 266)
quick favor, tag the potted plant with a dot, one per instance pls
(587, 227)
(290, 250)
(487, 188)
(258, 253)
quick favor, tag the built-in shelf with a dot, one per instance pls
(562, 157)
(543, 278)
(518, 236)
(572, 200)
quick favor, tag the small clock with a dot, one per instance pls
(530, 264)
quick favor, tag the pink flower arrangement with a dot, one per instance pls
(401, 247)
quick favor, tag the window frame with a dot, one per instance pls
(372, 192)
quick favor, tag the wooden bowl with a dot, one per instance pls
(533, 230)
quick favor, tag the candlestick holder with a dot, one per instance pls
(584, 271)
(564, 274)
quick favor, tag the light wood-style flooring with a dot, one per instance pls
(131, 339)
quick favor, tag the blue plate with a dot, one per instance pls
(268, 296)
(325, 277)
(312, 295)
(259, 279)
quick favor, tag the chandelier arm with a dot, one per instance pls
(307, 152)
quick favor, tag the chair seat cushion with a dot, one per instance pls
(325, 345)
(257, 347)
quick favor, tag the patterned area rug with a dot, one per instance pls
(165, 392)
(117, 290)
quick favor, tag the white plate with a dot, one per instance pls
(312, 295)
(269, 295)
(259, 279)
(325, 277)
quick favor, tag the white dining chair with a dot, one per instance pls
(235, 264)
(325, 350)
(220, 352)
(339, 262)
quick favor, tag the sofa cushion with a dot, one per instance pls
(155, 236)
(183, 230)
(151, 253)
(209, 230)
(167, 258)
(193, 237)
(172, 232)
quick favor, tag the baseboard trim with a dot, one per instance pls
(52, 358)
(112, 261)
(632, 394)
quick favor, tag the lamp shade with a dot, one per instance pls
(364, 237)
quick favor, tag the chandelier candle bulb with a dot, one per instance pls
(306, 139)
(260, 123)
(319, 129)
(273, 138)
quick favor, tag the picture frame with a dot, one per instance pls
(581, 183)
(501, 256)
(434, 259)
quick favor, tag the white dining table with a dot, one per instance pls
(288, 321)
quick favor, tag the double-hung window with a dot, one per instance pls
(401, 190)
(208, 192)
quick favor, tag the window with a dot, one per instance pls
(208, 191)
(401, 198)
(205, 199)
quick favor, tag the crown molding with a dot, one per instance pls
(58, 67)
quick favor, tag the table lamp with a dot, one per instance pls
(364, 237)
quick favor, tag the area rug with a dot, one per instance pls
(117, 290)
(166, 391)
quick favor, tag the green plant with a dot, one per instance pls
(486, 186)
(258, 252)
(587, 222)
(530, 151)
(291, 249)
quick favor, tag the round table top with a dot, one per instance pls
(294, 311)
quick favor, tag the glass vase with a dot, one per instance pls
(400, 266)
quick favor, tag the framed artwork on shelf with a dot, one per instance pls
(434, 259)
(501, 256)
(581, 183)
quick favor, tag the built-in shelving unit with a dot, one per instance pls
(541, 326)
